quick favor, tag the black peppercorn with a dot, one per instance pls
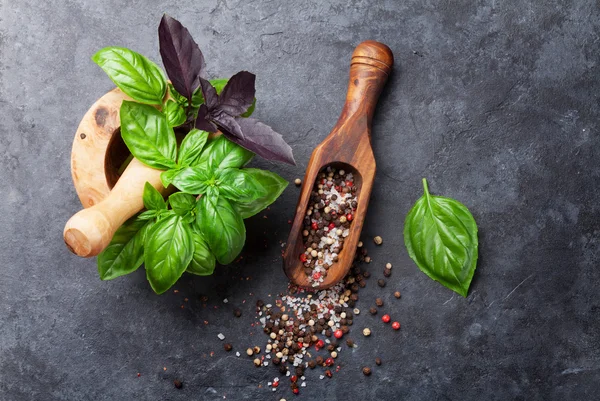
(373, 311)
(178, 384)
(387, 272)
(381, 282)
(282, 369)
(379, 302)
(312, 364)
(276, 361)
(349, 342)
(366, 274)
(227, 347)
(260, 304)
(366, 371)
(362, 284)
(237, 313)
(378, 361)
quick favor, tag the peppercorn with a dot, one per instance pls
(276, 361)
(366, 332)
(362, 284)
(387, 272)
(296, 391)
(388, 266)
(283, 369)
(257, 362)
(249, 352)
(178, 384)
(227, 347)
(396, 326)
(237, 313)
(366, 274)
(373, 311)
(379, 302)
(366, 371)
(385, 318)
(328, 373)
(338, 334)
(367, 259)
(349, 342)
(257, 350)
(397, 294)
(381, 282)
(330, 347)
(312, 364)
(378, 361)
(298, 182)
(319, 360)
(300, 371)
(378, 240)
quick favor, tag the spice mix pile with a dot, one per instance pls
(327, 221)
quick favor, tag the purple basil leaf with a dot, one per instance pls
(181, 56)
(228, 123)
(211, 99)
(262, 140)
(202, 121)
(238, 94)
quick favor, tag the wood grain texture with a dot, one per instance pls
(349, 146)
(96, 157)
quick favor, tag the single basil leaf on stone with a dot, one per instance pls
(203, 262)
(240, 185)
(238, 94)
(440, 235)
(182, 203)
(147, 135)
(168, 250)
(181, 56)
(221, 153)
(271, 182)
(191, 147)
(125, 253)
(192, 180)
(153, 200)
(262, 140)
(133, 73)
(175, 113)
(221, 226)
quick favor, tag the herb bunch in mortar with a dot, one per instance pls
(203, 223)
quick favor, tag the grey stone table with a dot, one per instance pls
(496, 103)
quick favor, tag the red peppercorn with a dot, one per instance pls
(338, 334)
(316, 276)
(296, 391)
(396, 326)
(385, 318)
(329, 361)
(302, 257)
(349, 183)
(349, 217)
(294, 379)
(320, 344)
(275, 384)
(314, 225)
(331, 226)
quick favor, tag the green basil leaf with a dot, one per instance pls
(133, 73)
(221, 153)
(178, 97)
(125, 253)
(182, 203)
(168, 250)
(222, 227)
(250, 110)
(191, 147)
(192, 180)
(240, 185)
(271, 182)
(175, 113)
(153, 200)
(440, 235)
(166, 177)
(203, 262)
(148, 215)
(147, 135)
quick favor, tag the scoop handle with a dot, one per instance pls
(370, 67)
(89, 231)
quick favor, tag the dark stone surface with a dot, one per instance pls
(496, 103)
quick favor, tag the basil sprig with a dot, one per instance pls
(440, 235)
(202, 222)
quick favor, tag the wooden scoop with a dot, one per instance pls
(348, 146)
(109, 199)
